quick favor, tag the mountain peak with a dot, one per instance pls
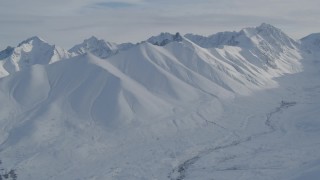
(33, 40)
(99, 47)
(29, 52)
(93, 39)
(266, 26)
(164, 38)
(268, 29)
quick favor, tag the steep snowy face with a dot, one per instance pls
(30, 52)
(165, 38)
(99, 47)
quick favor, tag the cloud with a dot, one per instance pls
(66, 22)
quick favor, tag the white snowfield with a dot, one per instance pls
(234, 105)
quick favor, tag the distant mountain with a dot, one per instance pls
(28, 53)
(311, 42)
(99, 48)
(245, 38)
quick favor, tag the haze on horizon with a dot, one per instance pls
(67, 22)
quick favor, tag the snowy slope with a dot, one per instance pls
(28, 53)
(235, 105)
(99, 48)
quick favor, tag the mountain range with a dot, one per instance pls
(162, 108)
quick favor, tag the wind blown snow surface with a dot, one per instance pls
(234, 105)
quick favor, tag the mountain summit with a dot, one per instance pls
(29, 52)
(99, 47)
(34, 41)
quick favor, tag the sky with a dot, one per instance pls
(68, 22)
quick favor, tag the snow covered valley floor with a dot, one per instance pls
(88, 118)
(273, 134)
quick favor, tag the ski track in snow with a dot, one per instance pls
(180, 172)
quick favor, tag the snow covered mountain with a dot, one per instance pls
(28, 53)
(232, 105)
(99, 48)
(270, 45)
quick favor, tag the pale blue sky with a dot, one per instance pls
(67, 22)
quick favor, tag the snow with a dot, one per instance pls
(236, 105)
